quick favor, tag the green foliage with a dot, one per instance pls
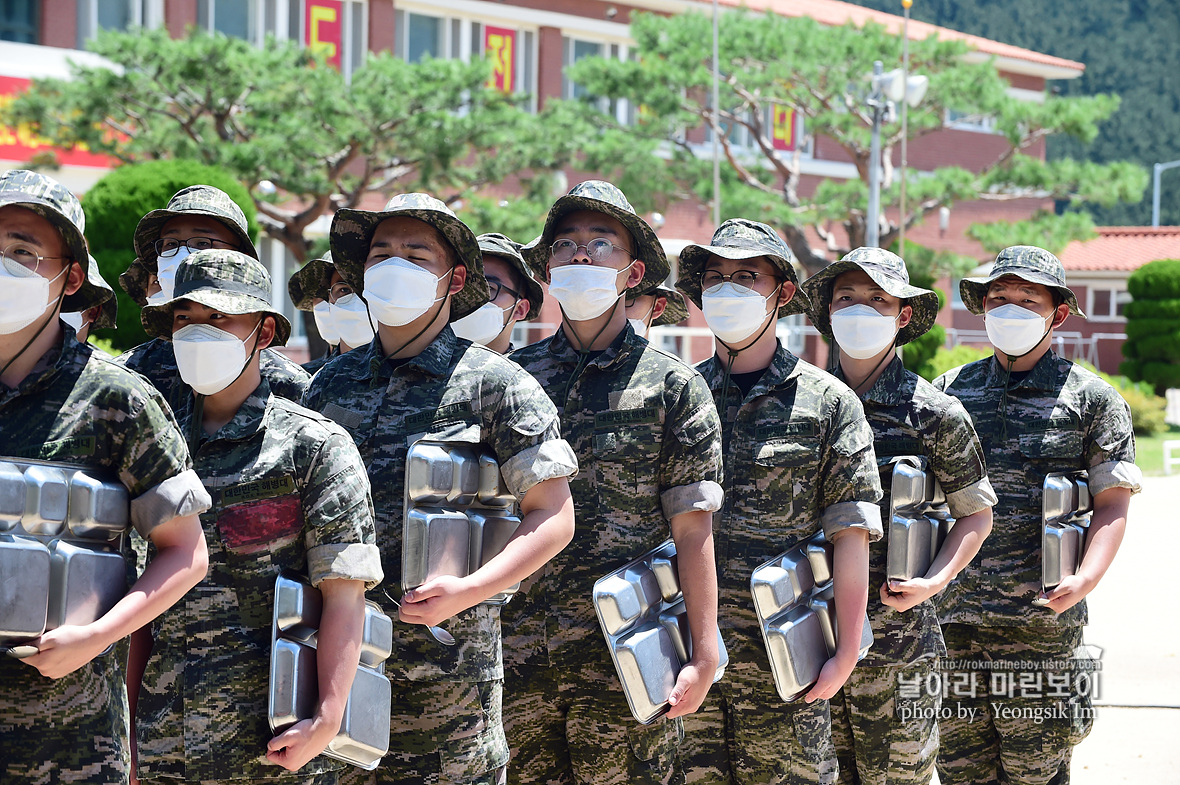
(946, 359)
(1158, 280)
(925, 266)
(113, 208)
(1126, 47)
(279, 113)
(1044, 230)
(770, 61)
(1152, 348)
(1147, 408)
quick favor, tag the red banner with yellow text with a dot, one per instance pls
(499, 45)
(784, 128)
(22, 145)
(323, 29)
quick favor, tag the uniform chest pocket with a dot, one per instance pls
(1053, 450)
(784, 469)
(626, 457)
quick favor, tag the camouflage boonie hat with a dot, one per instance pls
(495, 244)
(53, 201)
(739, 238)
(1027, 262)
(134, 281)
(99, 292)
(228, 281)
(675, 312)
(194, 200)
(311, 282)
(888, 271)
(352, 233)
(600, 196)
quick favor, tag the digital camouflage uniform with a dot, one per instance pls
(798, 458)
(447, 725)
(77, 407)
(290, 495)
(648, 444)
(874, 743)
(1058, 418)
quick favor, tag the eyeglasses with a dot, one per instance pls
(495, 287)
(170, 245)
(339, 290)
(26, 256)
(599, 250)
(746, 278)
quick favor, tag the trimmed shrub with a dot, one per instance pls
(946, 359)
(1147, 408)
(113, 208)
(1152, 348)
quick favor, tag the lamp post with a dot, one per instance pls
(888, 90)
(1155, 189)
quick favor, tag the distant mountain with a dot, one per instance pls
(1130, 48)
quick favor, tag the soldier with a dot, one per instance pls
(100, 315)
(419, 267)
(291, 495)
(1035, 413)
(514, 296)
(648, 443)
(658, 307)
(63, 711)
(883, 729)
(196, 218)
(798, 458)
(340, 314)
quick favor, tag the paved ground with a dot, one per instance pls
(1135, 619)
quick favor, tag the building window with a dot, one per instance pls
(96, 15)
(513, 54)
(575, 50)
(419, 35)
(963, 121)
(234, 18)
(1107, 305)
(18, 20)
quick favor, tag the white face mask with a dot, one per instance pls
(166, 264)
(585, 291)
(209, 359)
(861, 332)
(639, 326)
(73, 320)
(350, 317)
(734, 312)
(1014, 330)
(24, 295)
(322, 312)
(399, 291)
(483, 325)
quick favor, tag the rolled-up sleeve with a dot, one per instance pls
(526, 435)
(178, 496)
(338, 514)
(852, 515)
(690, 466)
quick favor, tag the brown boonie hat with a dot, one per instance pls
(495, 244)
(311, 282)
(1027, 262)
(739, 238)
(600, 196)
(55, 203)
(227, 281)
(352, 233)
(888, 271)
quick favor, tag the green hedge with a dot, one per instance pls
(946, 359)
(1153, 309)
(113, 208)
(1159, 280)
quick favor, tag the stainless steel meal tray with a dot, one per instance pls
(797, 614)
(294, 683)
(60, 500)
(918, 517)
(85, 581)
(24, 588)
(459, 513)
(1066, 506)
(641, 610)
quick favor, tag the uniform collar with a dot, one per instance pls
(1043, 376)
(434, 360)
(250, 418)
(783, 366)
(620, 348)
(892, 388)
(65, 353)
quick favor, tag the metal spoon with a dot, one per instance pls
(440, 635)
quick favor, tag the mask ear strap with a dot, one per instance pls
(49, 317)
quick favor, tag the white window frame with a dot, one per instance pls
(616, 49)
(1117, 295)
(144, 13)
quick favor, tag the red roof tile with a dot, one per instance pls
(1123, 248)
(835, 12)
